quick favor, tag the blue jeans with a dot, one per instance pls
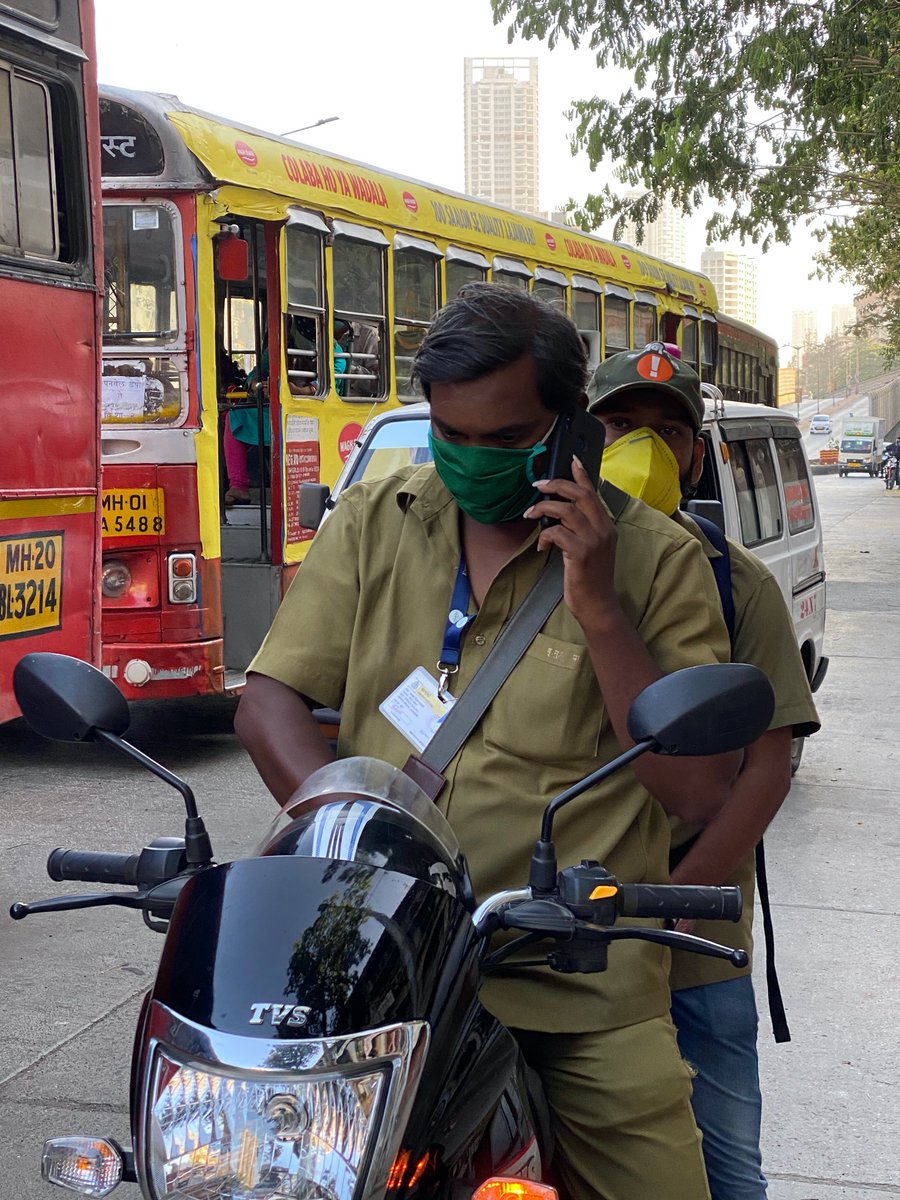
(717, 1026)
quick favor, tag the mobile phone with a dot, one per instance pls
(579, 434)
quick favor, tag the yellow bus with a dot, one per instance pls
(262, 293)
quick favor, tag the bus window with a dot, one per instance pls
(757, 491)
(550, 286)
(709, 344)
(358, 288)
(463, 266)
(304, 341)
(585, 309)
(689, 347)
(141, 317)
(28, 217)
(511, 273)
(416, 282)
(644, 324)
(615, 325)
(139, 265)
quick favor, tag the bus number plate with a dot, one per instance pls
(133, 512)
(31, 572)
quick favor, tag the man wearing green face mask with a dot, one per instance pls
(370, 606)
(651, 406)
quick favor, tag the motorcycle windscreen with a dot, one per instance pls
(298, 947)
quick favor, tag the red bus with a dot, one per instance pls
(50, 321)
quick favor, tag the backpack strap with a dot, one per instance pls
(721, 568)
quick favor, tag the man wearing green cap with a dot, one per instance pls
(651, 405)
(369, 610)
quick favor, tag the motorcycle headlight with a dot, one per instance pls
(227, 1117)
(211, 1135)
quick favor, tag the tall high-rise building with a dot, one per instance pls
(733, 276)
(501, 110)
(804, 332)
(842, 315)
(665, 237)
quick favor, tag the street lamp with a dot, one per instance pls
(315, 125)
(796, 359)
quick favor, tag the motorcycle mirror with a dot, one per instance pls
(67, 700)
(703, 710)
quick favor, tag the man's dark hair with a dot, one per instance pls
(487, 327)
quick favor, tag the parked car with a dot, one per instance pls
(820, 423)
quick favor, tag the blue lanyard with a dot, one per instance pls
(458, 620)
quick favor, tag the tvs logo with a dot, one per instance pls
(347, 438)
(550, 240)
(246, 154)
(411, 202)
(654, 367)
(626, 262)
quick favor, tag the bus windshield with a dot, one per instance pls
(139, 265)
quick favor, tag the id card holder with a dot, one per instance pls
(415, 709)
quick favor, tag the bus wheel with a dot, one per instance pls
(796, 753)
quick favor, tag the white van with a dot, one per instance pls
(755, 485)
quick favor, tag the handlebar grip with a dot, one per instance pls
(680, 902)
(92, 866)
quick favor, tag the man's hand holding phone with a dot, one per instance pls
(575, 520)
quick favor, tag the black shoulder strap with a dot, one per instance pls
(780, 1029)
(721, 569)
(518, 634)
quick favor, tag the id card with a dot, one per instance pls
(414, 708)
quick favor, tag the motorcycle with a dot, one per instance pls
(889, 471)
(314, 1030)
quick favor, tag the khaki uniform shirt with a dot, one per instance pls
(370, 604)
(763, 636)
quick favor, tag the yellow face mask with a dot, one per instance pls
(641, 464)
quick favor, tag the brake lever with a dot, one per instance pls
(678, 941)
(156, 900)
(20, 910)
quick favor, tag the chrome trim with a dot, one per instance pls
(472, 257)
(401, 1047)
(404, 241)
(309, 220)
(493, 903)
(585, 284)
(551, 275)
(511, 266)
(142, 444)
(361, 233)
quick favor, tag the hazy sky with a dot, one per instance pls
(393, 72)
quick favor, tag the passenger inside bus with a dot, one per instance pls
(241, 431)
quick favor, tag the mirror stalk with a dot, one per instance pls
(542, 877)
(198, 849)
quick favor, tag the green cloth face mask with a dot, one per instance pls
(491, 484)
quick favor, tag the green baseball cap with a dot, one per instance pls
(651, 369)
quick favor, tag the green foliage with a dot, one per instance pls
(777, 111)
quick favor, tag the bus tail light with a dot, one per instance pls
(116, 579)
(130, 580)
(182, 578)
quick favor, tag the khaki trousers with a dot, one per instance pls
(621, 1105)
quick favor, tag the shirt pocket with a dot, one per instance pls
(550, 709)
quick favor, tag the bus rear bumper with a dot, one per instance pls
(160, 671)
